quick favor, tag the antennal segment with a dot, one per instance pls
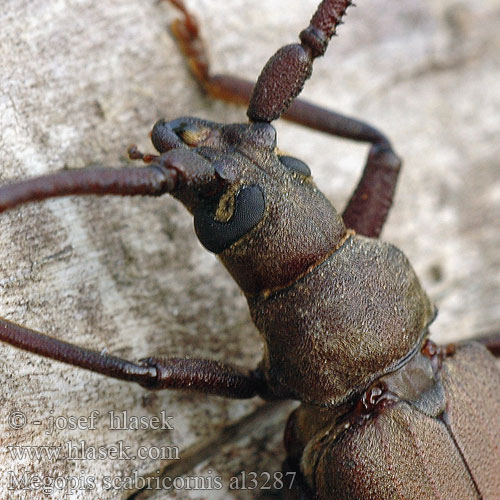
(284, 75)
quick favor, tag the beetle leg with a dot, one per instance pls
(295, 487)
(224, 87)
(197, 375)
(371, 201)
(369, 206)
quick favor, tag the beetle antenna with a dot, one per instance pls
(284, 75)
(152, 180)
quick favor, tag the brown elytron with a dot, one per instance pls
(385, 413)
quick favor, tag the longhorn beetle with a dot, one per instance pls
(344, 402)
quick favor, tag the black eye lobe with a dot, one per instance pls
(216, 236)
(295, 165)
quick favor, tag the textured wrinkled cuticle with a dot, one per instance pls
(270, 291)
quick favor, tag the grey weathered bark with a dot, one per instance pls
(81, 80)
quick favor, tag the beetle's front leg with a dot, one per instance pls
(199, 375)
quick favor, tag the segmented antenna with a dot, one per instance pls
(284, 75)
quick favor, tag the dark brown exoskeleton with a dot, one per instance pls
(385, 414)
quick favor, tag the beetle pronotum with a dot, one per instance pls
(62, 256)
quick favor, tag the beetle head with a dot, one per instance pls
(255, 207)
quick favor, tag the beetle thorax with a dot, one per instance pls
(358, 315)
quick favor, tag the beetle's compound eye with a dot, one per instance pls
(248, 206)
(295, 165)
